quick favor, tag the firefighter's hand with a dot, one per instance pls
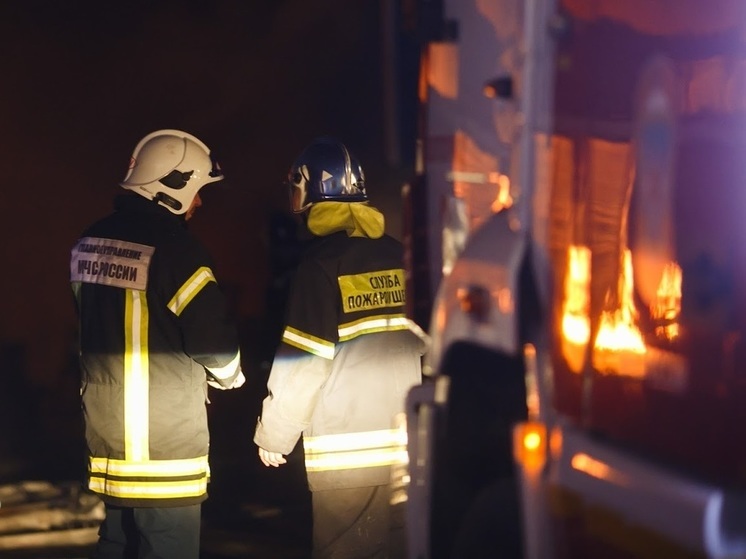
(273, 459)
(237, 382)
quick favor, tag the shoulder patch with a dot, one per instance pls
(111, 262)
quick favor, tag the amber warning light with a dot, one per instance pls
(530, 444)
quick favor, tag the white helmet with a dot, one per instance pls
(169, 167)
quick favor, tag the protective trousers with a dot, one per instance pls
(357, 523)
(149, 533)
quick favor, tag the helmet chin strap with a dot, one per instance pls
(166, 200)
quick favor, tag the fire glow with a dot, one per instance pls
(576, 323)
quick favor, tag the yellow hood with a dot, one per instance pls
(358, 219)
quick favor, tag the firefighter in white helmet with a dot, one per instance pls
(347, 360)
(154, 332)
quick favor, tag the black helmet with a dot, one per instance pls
(325, 171)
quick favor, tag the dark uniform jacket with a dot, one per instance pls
(153, 323)
(347, 360)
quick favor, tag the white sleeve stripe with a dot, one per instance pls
(376, 323)
(322, 350)
(228, 370)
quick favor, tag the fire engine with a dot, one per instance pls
(576, 236)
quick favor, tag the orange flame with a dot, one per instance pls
(503, 199)
(666, 307)
(619, 347)
(576, 324)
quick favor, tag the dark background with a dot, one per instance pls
(82, 82)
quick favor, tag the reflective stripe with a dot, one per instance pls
(369, 325)
(355, 459)
(355, 441)
(189, 290)
(356, 450)
(228, 370)
(308, 343)
(149, 489)
(160, 479)
(150, 468)
(136, 376)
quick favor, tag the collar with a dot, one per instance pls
(357, 219)
(135, 203)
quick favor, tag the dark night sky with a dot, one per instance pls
(84, 81)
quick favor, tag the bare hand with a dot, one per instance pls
(273, 459)
(237, 382)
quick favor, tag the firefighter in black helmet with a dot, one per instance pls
(347, 359)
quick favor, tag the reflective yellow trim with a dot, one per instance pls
(371, 324)
(355, 459)
(189, 290)
(356, 450)
(355, 441)
(150, 468)
(136, 377)
(149, 490)
(308, 343)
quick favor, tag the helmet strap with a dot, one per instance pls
(166, 200)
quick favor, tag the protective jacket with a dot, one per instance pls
(153, 325)
(348, 355)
